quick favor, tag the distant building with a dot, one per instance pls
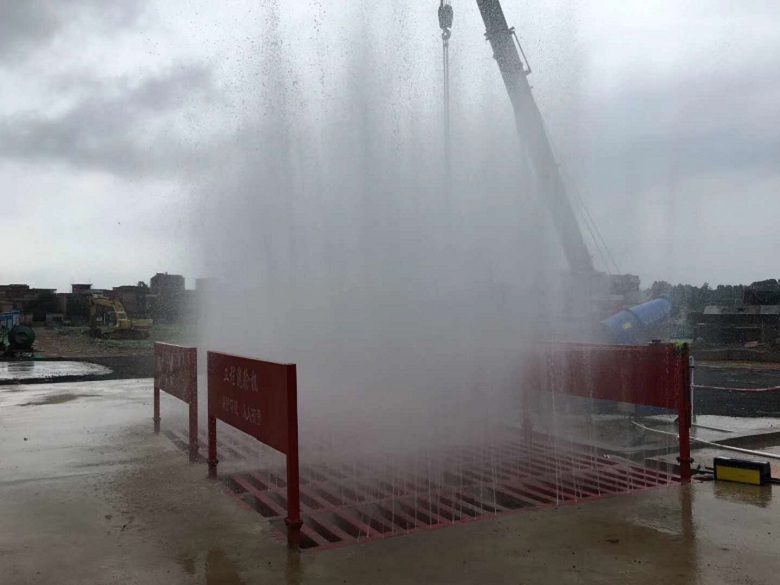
(205, 284)
(133, 298)
(742, 324)
(54, 318)
(164, 284)
(623, 283)
(15, 297)
(165, 299)
(168, 301)
(624, 290)
(756, 321)
(62, 302)
(81, 289)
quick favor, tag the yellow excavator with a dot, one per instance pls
(113, 322)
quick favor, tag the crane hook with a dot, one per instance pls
(445, 19)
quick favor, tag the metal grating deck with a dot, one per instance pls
(355, 502)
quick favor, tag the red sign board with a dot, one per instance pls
(176, 372)
(261, 399)
(253, 396)
(651, 375)
(175, 368)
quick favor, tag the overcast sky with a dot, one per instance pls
(664, 116)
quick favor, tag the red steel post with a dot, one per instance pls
(194, 429)
(684, 416)
(528, 430)
(531, 381)
(156, 417)
(293, 520)
(193, 383)
(212, 461)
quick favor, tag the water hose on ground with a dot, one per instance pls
(711, 444)
(701, 387)
(709, 428)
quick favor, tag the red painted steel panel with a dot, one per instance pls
(252, 396)
(175, 370)
(652, 375)
(261, 399)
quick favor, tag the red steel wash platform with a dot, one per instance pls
(347, 499)
(347, 503)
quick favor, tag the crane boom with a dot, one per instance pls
(530, 126)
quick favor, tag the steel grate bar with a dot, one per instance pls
(349, 502)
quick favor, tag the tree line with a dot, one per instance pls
(688, 298)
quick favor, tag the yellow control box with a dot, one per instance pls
(742, 471)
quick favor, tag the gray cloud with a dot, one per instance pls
(124, 127)
(27, 26)
(669, 129)
(657, 110)
(21, 27)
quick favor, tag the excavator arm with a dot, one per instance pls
(115, 306)
(123, 325)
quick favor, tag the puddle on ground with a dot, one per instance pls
(57, 399)
(220, 571)
(42, 370)
(740, 493)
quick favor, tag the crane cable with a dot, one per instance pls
(445, 23)
(598, 240)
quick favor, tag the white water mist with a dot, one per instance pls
(333, 244)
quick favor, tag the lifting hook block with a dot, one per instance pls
(445, 19)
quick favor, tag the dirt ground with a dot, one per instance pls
(75, 342)
(125, 358)
(737, 374)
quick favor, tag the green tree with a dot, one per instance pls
(660, 287)
(766, 285)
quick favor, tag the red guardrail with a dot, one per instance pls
(653, 375)
(261, 399)
(176, 372)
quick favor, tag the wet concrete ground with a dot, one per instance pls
(13, 372)
(88, 494)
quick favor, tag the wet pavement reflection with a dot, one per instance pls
(89, 495)
(25, 371)
(749, 495)
(219, 569)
